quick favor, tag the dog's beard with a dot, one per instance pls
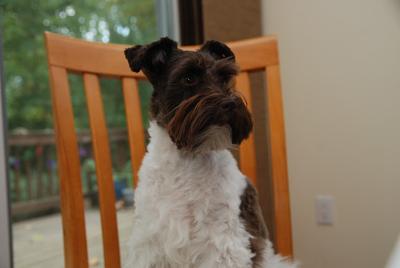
(214, 120)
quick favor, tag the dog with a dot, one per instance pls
(193, 207)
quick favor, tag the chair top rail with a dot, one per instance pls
(106, 59)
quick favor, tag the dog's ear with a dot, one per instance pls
(151, 58)
(218, 50)
(134, 55)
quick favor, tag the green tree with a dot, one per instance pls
(26, 74)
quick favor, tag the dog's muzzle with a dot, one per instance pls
(195, 115)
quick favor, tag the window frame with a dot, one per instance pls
(5, 219)
(168, 19)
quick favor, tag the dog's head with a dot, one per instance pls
(194, 97)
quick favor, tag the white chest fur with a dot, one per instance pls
(187, 209)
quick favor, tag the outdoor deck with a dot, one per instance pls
(38, 242)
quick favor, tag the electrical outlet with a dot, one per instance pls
(324, 207)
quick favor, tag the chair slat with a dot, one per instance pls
(247, 154)
(107, 59)
(280, 187)
(102, 156)
(75, 246)
(134, 123)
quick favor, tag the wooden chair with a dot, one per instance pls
(93, 60)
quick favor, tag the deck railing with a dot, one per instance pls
(34, 186)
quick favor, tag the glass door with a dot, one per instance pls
(31, 164)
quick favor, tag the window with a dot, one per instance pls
(32, 164)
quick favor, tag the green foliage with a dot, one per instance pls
(26, 74)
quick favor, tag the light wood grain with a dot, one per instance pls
(277, 144)
(247, 153)
(107, 59)
(75, 246)
(102, 157)
(134, 123)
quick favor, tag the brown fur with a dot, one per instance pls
(251, 215)
(196, 114)
(193, 90)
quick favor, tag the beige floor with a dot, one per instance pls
(38, 242)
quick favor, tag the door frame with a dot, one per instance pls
(5, 222)
(168, 21)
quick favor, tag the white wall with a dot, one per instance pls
(341, 78)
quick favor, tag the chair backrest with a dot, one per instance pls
(94, 60)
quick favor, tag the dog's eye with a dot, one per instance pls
(189, 79)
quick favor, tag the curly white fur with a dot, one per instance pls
(187, 211)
